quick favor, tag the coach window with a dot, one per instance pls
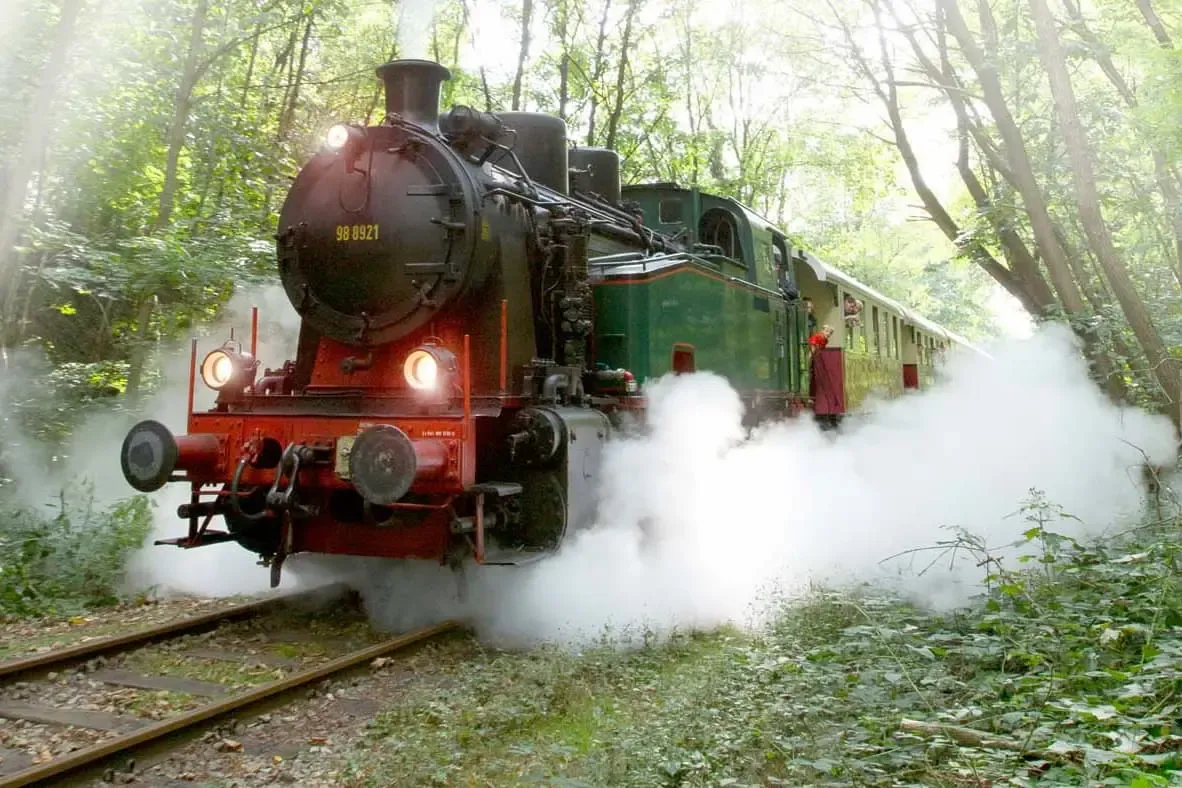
(877, 331)
(669, 211)
(863, 337)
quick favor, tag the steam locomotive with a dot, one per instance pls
(480, 306)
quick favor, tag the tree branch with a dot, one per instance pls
(1155, 24)
(967, 737)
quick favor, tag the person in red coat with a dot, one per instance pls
(820, 339)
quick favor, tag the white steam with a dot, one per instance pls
(700, 524)
(92, 453)
(414, 26)
(222, 569)
(699, 527)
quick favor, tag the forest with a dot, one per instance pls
(996, 166)
(979, 161)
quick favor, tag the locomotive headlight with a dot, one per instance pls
(421, 369)
(429, 368)
(340, 136)
(337, 136)
(224, 366)
(217, 369)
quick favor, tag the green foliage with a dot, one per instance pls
(69, 560)
(42, 405)
(1070, 660)
(115, 253)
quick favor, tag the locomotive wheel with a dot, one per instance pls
(258, 536)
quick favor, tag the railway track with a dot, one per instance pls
(132, 733)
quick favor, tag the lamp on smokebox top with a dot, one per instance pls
(431, 369)
(347, 141)
(228, 368)
(342, 135)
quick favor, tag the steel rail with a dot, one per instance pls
(143, 635)
(89, 755)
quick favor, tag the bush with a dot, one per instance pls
(72, 560)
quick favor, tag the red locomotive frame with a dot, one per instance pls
(226, 445)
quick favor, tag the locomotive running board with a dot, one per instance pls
(501, 557)
(201, 539)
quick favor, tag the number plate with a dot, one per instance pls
(357, 232)
(344, 448)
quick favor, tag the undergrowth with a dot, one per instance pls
(69, 558)
(1065, 672)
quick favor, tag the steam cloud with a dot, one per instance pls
(414, 25)
(92, 454)
(223, 569)
(699, 527)
(701, 524)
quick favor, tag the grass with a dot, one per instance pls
(340, 630)
(232, 674)
(28, 644)
(1072, 662)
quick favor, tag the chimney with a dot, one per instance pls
(412, 90)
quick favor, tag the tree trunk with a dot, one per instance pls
(288, 118)
(286, 62)
(613, 120)
(1034, 302)
(527, 7)
(254, 53)
(1020, 166)
(1155, 23)
(375, 98)
(563, 58)
(597, 68)
(180, 116)
(31, 152)
(139, 353)
(1023, 279)
(488, 100)
(1095, 228)
(687, 63)
(449, 87)
(1166, 182)
(176, 142)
